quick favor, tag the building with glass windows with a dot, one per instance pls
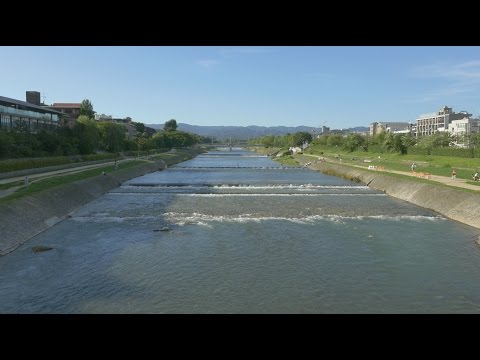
(17, 114)
(429, 124)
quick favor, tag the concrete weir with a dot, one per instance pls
(26, 217)
(450, 202)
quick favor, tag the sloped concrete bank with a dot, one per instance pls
(26, 217)
(455, 204)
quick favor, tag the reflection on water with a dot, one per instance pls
(234, 232)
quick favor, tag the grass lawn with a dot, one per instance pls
(9, 185)
(436, 165)
(43, 184)
(287, 160)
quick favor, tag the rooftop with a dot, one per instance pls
(27, 105)
(66, 105)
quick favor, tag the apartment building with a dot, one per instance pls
(429, 124)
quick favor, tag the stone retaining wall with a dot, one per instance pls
(26, 217)
(453, 203)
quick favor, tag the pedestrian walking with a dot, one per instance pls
(454, 174)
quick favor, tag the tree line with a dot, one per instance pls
(89, 136)
(383, 142)
(282, 141)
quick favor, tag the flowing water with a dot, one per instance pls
(235, 232)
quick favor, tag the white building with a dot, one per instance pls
(462, 128)
(392, 126)
(429, 124)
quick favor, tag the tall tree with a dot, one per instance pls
(86, 108)
(170, 125)
(112, 136)
(140, 127)
(86, 131)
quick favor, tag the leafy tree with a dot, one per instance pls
(179, 139)
(353, 142)
(86, 109)
(87, 133)
(112, 136)
(158, 140)
(439, 139)
(321, 140)
(267, 140)
(170, 125)
(408, 140)
(335, 140)
(140, 127)
(475, 138)
(379, 139)
(7, 144)
(300, 137)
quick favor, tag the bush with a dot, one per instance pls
(415, 150)
(449, 151)
(32, 163)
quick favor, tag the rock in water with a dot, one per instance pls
(41, 248)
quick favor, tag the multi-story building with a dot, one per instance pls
(16, 114)
(71, 111)
(393, 127)
(461, 129)
(429, 124)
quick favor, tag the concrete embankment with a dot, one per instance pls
(26, 217)
(450, 202)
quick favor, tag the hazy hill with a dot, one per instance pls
(244, 132)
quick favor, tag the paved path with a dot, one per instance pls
(441, 179)
(48, 174)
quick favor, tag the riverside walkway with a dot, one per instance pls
(48, 174)
(446, 180)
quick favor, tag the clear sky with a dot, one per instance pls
(339, 86)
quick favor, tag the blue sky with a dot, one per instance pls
(339, 86)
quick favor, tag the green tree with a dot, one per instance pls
(300, 137)
(335, 140)
(321, 140)
(267, 140)
(439, 139)
(87, 133)
(475, 139)
(158, 140)
(112, 136)
(179, 139)
(353, 142)
(86, 108)
(409, 140)
(170, 125)
(140, 127)
(7, 144)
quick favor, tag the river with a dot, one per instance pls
(235, 232)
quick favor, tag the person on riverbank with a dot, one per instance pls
(454, 174)
(414, 166)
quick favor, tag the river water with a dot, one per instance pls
(235, 232)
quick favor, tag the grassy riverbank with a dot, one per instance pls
(50, 182)
(435, 165)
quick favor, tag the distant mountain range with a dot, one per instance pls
(245, 132)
